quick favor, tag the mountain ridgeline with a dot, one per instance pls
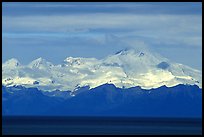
(131, 82)
(105, 100)
(126, 68)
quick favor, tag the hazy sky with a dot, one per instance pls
(55, 31)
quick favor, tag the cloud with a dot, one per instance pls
(50, 23)
(163, 29)
(35, 8)
(78, 29)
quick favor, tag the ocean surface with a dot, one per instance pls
(100, 126)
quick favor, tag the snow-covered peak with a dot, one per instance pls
(123, 51)
(134, 52)
(127, 68)
(131, 51)
(71, 61)
(80, 62)
(40, 63)
(135, 59)
(12, 63)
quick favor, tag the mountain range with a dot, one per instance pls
(105, 100)
(130, 82)
(126, 68)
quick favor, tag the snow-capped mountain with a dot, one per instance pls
(40, 63)
(12, 63)
(126, 68)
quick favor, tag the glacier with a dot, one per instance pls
(125, 69)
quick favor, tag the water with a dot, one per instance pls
(100, 125)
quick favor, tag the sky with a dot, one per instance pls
(58, 30)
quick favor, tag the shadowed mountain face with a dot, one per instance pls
(105, 100)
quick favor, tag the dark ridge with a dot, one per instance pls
(105, 100)
(163, 65)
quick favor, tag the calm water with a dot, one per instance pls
(99, 125)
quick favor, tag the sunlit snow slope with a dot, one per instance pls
(126, 68)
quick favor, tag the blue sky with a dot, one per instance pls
(55, 31)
